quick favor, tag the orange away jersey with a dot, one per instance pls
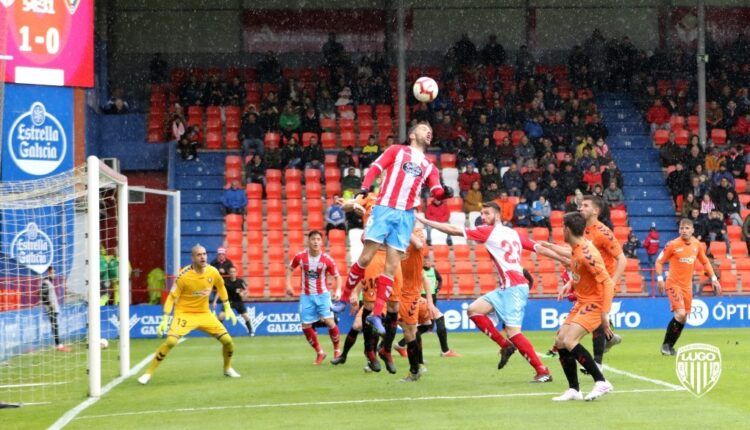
(606, 243)
(191, 289)
(366, 202)
(411, 269)
(681, 257)
(591, 282)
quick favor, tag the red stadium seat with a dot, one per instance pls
(549, 283)
(461, 252)
(661, 137)
(293, 190)
(681, 137)
(277, 287)
(233, 222)
(633, 283)
(232, 140)
(466, 285)
(272, 140)
(273, 190)
(485, 265)
(313, 190)
(327, 124)
(447, 160)
(487, 283)
(328, 140)
(213, 140)
(540, 233)
(463, 267)
(440, 252)
(315, 221)
(499, 135)
(333, 188)
(719, 136)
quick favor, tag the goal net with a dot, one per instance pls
(63, 270)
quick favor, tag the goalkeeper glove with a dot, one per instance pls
(229, 313)
(163, 326)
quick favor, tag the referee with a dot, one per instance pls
(235, 287)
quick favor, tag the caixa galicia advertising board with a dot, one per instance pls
(37, 132)
(541, 314)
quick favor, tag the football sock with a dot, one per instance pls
(312, 338)
(227, 350)
(527, 350)
(599, 340)
(351, 339)
(568, 363)
(391, 325)
(413, 354)
(584, 357)
(419, 348)
(335, 337)
(53, 326)
(161, 354)
(442, 333)
(486, 326)
(385, 287)
(356, 273)
(402, 342)
(370, 338)
(249, 327)
(674, 330)
(423, 329)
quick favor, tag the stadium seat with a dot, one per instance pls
(556, 219)
(742, 263)
(466, 285)
(273, 236)
(271, 140)
(213, 140)
(332, 174)
(348, 138)
(545, 265)
(293, 190)
(738, 249)
(447, 160)
(364, 111)
(462, 267)
(618, 217)
(314, 205)
(233, 239)
(273, 175)
(274, 223)
(313, 190)
(744, 278)
(548, 282)
(295, 236)
(328, 125)
(661, 137)
(254, 221)
(676, 122)
(275, 253)
(312, 175)
(333, 188)
(633, 265)
(276, 269)
(294, 220)
(622, 233)
(292, 175)
(440, 252)
(528, 264)
(274, 207)
(487, 283)
(681, 137)
(633, 283)
(516, 136)
(455, 204)
(273, 190)
(728, 281)
(255, 286)
(232, 140)
(254, 237)
(293, 206)
(718, 249)
(719, 136)
(499, 135)
(540, 233)
(461, 252)
(337, 237)
(233, 222)
(277, 287)
(315, 221)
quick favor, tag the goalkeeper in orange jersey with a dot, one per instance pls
(189, 300)
(681, 254)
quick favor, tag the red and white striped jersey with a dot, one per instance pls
(406, 170)
(314, 270)
(504, 246)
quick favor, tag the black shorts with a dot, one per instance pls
(239, 307)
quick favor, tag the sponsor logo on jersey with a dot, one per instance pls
(36, 141)
(687, 260)
(412, 169)
(33, 248)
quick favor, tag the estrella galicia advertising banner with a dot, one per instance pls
(282, 318)
(37, 132)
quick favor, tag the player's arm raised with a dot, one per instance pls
(450, 229)
(710, 270)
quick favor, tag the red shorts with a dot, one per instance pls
(587, 315)
(372, 272)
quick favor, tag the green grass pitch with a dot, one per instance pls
(280, 388)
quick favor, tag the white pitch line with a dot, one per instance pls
(71, 414)
(348, 402)
(643, 378)
(33, 384)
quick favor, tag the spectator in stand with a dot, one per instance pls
(540, 212)
(533, 128)
(574, 205)
(731, 209)
(333, 51)
(596, 129)
(714, 116)
(158, 69)
(507, 208)
(550, 174)
(459, 134)
(482, 130)
(570, 179)
(436, 211)
(713, 159)
(310, 123)
(345, 99)
(351, 183)
(443, 131)
(735, 162)
(492, 192)
(629, 248)
(252, 134)
(187, 149)
(522, 213)
(741, 131)
(313, 157)
(213, 93)
(465, 51)
(486, 153)
(694, 158)
(325, 105)
(473, 198)
(601, 151)
(598, 191)
(255, 170)
(700, 226)
(716, 227)
(269, 69)
(505, 152)
(524, 151)
(676, 181)
(465, 155)
(236, 93)
(592, 177)
(513, 181)
(614, 196)
(696, 187)
(612, 173)
(689, 203)
(707, 205)
(234, 200)
(720, 193)
(191, 93)
(221, 262)
(492, 53)
(345, 158)
(723, 173)
(116, 106)
(467, 178)
(335, 216)
(670, 153)
(586, 161)
(269, 117)
(178, 127)
(289, 120)
(651, 245)
(555, 196)
(731, 115)
(291, 155)
(658, 116)
(369, 153)
(532, 192)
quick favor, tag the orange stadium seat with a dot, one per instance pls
(294, 220)
(255, 286)
(661, 137)
(466, 285)
(485, 266)
(728, 281)
(295, 236)
(274, 223)
(254, 237)
(556, 218)
(275, 253)
(463, 268)
(274, 236)
(277, 287)
(315, 221)
(461, 252)
(744, 277)
(487, 283)
(293, 190)
(742, 263)
(233, 222)
(738, 249)
(719, 249)
(440, 252)
(548, 282)
(540, 233)
(276, 269)
(734, 232)
(337, 237)
(312, 175)
(545, 265)
(293, 206)
(313, 190)
(633, 283)
(254, 221)
(273, 190)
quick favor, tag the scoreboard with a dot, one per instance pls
(47, 42)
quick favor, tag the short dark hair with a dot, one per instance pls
(575, 222)
(596, 201)
(314, 233)
(491, 205)
(414, 127)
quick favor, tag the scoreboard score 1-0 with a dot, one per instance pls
(48, 42)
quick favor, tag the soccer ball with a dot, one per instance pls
(104, 343)
(425, 89)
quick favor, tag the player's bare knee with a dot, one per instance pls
(512, 331)
(680, 315)
(569, 342)
(392, 307)
(330, 323)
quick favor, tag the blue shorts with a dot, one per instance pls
(314, 307)
(389, 226)
(509, 304)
